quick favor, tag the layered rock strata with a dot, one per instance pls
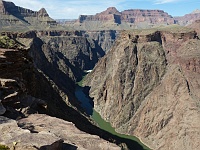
(127, 19)
(188, 18)
(130, 16)
(22, 18)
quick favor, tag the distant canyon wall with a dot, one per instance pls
(111, 18)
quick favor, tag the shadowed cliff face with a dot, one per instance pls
(148, 87)
(71, 55)
(25, 90)
(32, 81)
(105, 38)
(44, 68)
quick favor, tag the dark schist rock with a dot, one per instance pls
(55, 59)
(147, 85)
(104, 39)
(26, 88)
(16, 69)
(2, 109)
(71, 54)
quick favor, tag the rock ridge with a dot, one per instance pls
(147, 80)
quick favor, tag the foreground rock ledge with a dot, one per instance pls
(40, 131)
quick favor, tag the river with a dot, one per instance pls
(87, 105)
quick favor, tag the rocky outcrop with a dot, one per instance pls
(105, 39)
(125, 71)
(2, 109)
(38, 132)
(39, 85)
(148, 87)
(17, 138)
(196, 26)
(22, 18)
(71, 54)
(73, 138)
(111, 14)
(188, 18)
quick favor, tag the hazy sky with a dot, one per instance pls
(71, 9)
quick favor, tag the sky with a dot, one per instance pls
(71, 9)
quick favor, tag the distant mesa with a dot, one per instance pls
(110, 19)
(130, 16)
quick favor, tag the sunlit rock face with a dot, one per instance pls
(147, 85)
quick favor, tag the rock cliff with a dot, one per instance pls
(104, 39)
(111, 14)
(148, 87)
(188, 18)
(112, 19)
(196, 26)
(22, 18)
(130, 16)
(149, 16)
(34, 78)
(128, 19)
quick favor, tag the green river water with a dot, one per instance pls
(107, 127)
(86, 104)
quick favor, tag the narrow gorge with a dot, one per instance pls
(148, 86)
(114, 80)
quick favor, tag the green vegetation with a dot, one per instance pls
(80, 83)
(107, 127)
(3, 147)
(6, 42)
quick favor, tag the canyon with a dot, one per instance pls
(149, 87)
(145, 82)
